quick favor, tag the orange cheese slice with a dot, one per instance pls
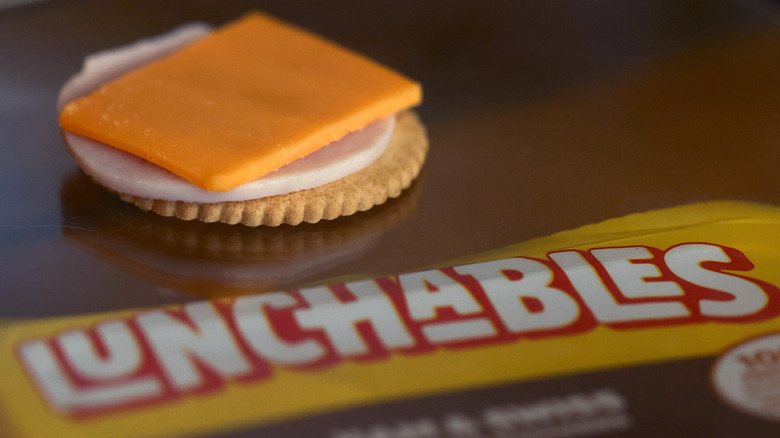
(249, 98)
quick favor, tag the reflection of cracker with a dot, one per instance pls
(385, 178)
(215, 260)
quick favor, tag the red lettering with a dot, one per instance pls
(161, 355)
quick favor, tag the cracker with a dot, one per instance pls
(200, 260)
(386, 178)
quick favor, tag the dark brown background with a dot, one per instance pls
(542, 116)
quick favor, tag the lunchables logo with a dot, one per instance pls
(162, 355)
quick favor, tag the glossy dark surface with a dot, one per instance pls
(542, 116)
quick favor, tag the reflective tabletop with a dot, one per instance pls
(542, 117)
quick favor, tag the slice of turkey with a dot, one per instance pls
(127, 173)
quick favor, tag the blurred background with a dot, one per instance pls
(542, 117)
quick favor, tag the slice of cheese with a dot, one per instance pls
(238, 104)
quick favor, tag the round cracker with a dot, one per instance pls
(386, 178)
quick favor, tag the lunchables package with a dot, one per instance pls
(664, 323)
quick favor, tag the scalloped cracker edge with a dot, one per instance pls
(386, 178)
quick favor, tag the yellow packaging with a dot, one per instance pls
(656, 324)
